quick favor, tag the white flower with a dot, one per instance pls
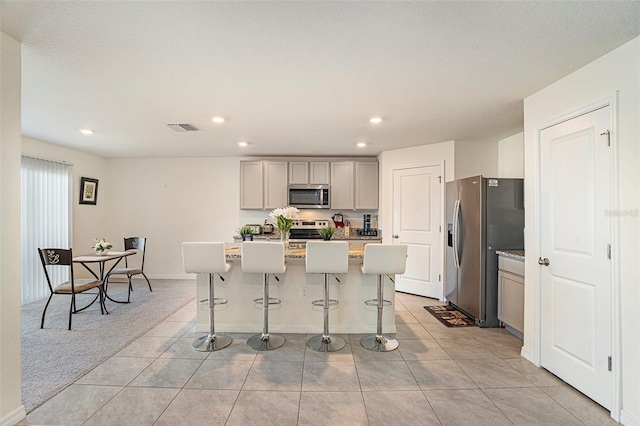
(101, 244)
(285, 217)
(289, 212)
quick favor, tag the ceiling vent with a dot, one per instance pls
(183, 128)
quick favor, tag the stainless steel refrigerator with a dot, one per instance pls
(483, 215)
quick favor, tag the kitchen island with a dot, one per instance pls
(296, 289)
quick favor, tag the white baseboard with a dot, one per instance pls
(528, 356)
(14, 417)
(628, 420)
(122, 278)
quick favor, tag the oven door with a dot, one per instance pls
(309, 196)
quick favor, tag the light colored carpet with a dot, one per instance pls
(53, 358)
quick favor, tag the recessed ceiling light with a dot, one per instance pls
(361, 144)
(375, 120)
(243, 144)
(87, 131)
(218, 120)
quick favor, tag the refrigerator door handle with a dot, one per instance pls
(456, 214)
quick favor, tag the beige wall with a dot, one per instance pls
(511, 157)
(615, 73)
(173, 200)
(474, 158)
(11, 409)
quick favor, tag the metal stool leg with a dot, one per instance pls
(212, 342)
(377, 342)
(265, 341)
(325, 342)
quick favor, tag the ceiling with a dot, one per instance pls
(295, 78)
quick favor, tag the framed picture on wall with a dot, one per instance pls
(88, 191)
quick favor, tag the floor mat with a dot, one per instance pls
(450, 316)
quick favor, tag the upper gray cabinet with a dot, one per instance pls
(354, 185)
(342, 188)
(263, 184)
(251, 185)
(309, 172)
(366, 193)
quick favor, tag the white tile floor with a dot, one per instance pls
(439, 375)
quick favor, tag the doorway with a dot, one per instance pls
(575, 253)
(417, 222)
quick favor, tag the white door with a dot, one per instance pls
(417, 223)
(575, 179)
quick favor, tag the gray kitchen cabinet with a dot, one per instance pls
(251, 185)
(319, 173)
(354, 185)
(263, 184)
(366, 194)
(275, 184)
(309, 172)
(342, 185)
(511, 294)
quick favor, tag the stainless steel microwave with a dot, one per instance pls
(309, 196)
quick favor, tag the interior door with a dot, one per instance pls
(417, 223)
(575, 179)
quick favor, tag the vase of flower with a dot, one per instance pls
(284, 221)
(101, 246)
(284, 238)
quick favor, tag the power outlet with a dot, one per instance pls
(303, 292)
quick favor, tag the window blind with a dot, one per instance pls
(46, 220)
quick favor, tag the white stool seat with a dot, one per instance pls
(204, 258)
(207, 258)
(264, 258)
(382, 259)
(326, 257)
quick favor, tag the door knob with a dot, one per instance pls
(395, 236)
(544, 261)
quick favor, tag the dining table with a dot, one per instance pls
(101, 259)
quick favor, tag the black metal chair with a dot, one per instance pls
(131, 243)
(55, 258)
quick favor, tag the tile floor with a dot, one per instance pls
(439, 375)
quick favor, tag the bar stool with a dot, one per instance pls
(264, 258)
(382, 259)
(326, 257)
(207, 258)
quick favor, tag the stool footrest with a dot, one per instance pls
(272, 301)
(374, 302)
(320, 302)
(216, 301)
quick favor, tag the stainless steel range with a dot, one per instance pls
(303, 230)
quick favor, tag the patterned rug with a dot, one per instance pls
(450, 316)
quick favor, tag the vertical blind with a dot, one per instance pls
(46, 218)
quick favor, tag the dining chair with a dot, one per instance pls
(131, 243)
(56, 258)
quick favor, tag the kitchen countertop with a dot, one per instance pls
(295, 251)
(513, 254)
(276, 237)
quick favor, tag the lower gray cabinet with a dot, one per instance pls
(511, 293)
